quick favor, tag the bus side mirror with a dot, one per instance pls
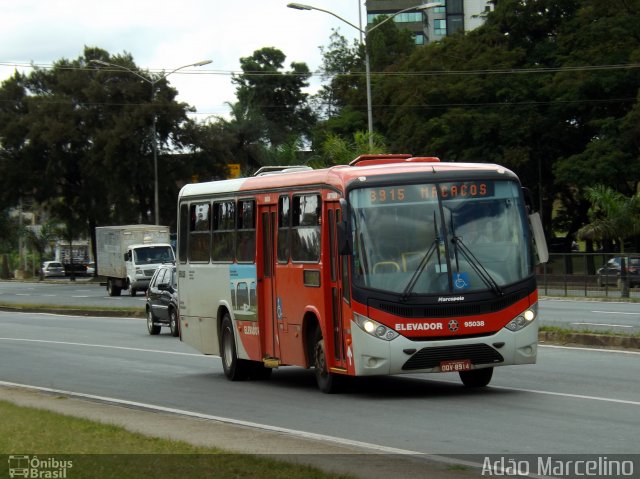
(539, 240)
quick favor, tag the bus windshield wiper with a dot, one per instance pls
(416, 274)
(476, 264)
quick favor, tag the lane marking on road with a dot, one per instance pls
(73, 316)
(615, 312)
(568, 395)
(604, 324)
(105, 346)
(599, 350)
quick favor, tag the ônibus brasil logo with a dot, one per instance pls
(35, 467)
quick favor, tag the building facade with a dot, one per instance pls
(434, 23)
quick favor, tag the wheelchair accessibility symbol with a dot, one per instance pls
(461, 281)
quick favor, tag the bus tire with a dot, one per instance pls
(477, 378)
(327, 382)
(235, 369)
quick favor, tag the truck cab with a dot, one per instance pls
(142, 260)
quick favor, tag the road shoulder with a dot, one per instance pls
(324, 455)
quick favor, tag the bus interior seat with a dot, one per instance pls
(386, 267)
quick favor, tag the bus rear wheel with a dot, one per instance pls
(477, 378)
(327, 382)
(235, 369)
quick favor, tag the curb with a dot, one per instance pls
(590, 339)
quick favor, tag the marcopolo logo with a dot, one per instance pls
(38, 468)
(450, 299)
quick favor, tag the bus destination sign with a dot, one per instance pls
(416, 193)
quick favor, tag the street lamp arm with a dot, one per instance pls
(120, 67)
(196, 64)
(150, 80)
(300, 6)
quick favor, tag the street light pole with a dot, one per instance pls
(364, 33)
(153, 82)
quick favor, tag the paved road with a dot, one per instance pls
(572, 401)
(82, 292)
(617, 317)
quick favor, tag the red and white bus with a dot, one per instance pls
(391, 264)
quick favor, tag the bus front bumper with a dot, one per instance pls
(373, 356)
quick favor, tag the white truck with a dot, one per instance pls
(127, 256)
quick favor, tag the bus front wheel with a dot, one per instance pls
(235, 369)
(477, 378)
(327, 382)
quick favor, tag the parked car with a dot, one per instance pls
(610, 272)
(77, 269)
(162, 301)
(52, 268)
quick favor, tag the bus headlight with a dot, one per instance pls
(523, 319)
(374, 328)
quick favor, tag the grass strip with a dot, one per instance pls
(101, 451)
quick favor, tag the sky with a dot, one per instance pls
(165, 35)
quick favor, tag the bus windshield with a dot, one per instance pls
(438, 238)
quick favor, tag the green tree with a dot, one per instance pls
(343, 101)
(78, 139)
(338, 151)
(613, 217)
(263, 90)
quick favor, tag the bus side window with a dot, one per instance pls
(246, 238)
(199, 232)
(224, 230)
(184, 231)
(305, 231)
(284, 229)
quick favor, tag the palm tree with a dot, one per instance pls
(613, 217)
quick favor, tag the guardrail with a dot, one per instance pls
(577, 274)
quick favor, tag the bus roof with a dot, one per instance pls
(340, 176)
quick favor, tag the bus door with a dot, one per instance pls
(267, 303)
(335, 287)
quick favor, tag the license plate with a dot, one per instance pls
(455, 366)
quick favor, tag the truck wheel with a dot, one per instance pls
(327, 382)
(132, 291)
(152, 328)
(112, 288)
(477, 378)
(234, 368)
